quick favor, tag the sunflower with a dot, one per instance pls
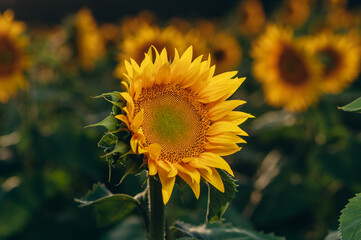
(225, 51)
(340, 58)
(295, 12)
(180, 120)
(251, 17)
(90, 43)
(134, 46)
(131, 24)
(290, 78)
(12, 57)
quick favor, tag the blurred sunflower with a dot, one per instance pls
(290, 78)
(295, 12)
(225, 51)
(136, 45)
(13, 60)
(179, 118)
(110, 33)
(339, 16)
(90, 44)
(251, 17)
(340, 58)
(131, 24)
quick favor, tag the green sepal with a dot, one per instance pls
(110, 123)
(217, 201)
(350, 220)
(108, 141)
(218, 230)
(113, 98)
(354, 106)
(109, 208)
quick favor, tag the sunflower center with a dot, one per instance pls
(8, 56)
(292, 67)
(175, 120)
(330, 60)
(219, 55)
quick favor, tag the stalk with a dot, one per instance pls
(156, 208)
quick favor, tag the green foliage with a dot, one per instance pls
(350, 221)
(216, 230)
(218, 201)
(110, 123)
(130, 228)
(109, 208)
(354, 106)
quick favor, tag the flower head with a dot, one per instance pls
(90, 43)
(251, 17)
(12, 57)
(340, 58)
(289, 77)
(179, 118)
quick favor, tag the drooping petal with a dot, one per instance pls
(167, 184)
(213, 178)
(213, 160)
(192, 184)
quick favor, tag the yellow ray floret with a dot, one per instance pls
(180, 119)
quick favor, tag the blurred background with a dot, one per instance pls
(301, 59)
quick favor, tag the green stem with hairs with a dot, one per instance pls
(156, 208)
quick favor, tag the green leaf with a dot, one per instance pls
(109, 140)
(109, 208)
(335, 235)
(217, 230)
(350, 221)
(109, 123)
(354, 106)
(218, 202)
(131, 228)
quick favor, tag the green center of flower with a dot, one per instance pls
(169, 124)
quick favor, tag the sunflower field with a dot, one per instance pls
(166, 120)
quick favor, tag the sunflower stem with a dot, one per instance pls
(156, 208)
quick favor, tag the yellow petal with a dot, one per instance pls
(222, 109)
(213, 178)
(167, 184)
(154, 150)
(236, 117)
(138, 119)
(223, 126)
(123, 118)
(189, 170)
(213, 160)
(225, 138)
(192, 184)
(222, 149)
(152, 166)
(196, 164)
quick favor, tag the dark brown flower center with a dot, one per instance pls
(292, 66)
(8, 56)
